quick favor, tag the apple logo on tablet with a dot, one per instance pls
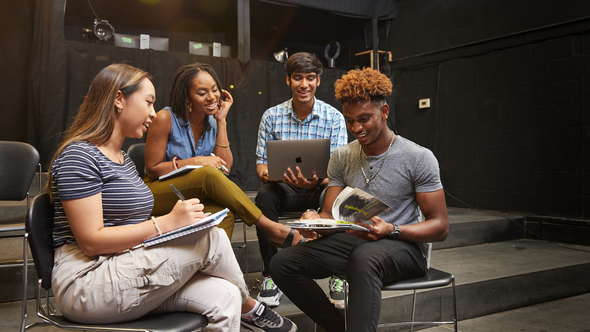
(298, 160)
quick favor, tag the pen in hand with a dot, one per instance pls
(177, 192)
(224, 169)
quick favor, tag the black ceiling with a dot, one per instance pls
(281, 24)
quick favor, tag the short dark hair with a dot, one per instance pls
(181, 83)
(304, 62)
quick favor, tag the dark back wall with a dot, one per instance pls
(509, 90)
(508, 83)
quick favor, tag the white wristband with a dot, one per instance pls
(156, 224)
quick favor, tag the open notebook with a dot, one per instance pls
(210, 221)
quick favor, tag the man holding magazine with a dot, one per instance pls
(394, 244)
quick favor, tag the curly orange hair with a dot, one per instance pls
(365, 84)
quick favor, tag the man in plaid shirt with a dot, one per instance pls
(301, 117)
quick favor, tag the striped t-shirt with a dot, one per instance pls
(81, 170)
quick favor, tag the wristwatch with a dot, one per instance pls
(395, 234)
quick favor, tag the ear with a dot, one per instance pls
(119, 99)
(384, 112)
(319, 79)
(288, 80)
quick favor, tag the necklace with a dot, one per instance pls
(118, 159)
(368, 179)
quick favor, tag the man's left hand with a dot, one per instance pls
(297, 180)
(378, 230)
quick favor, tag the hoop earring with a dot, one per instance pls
(119, 110)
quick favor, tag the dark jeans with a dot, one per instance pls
(274, 198)
(366, 265)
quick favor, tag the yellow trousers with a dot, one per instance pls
(212, 188)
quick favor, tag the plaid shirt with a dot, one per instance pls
(281, 123)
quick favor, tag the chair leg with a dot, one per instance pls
(454, 306)
(345, 287)
(246, 249)
(25, 277)
(413, 311)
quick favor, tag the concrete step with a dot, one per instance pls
(468, 227)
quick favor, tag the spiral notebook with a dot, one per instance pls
(210, 221)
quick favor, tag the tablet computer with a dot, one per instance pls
(311, 155)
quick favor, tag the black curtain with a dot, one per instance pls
(47, 78)
(255, 86)
(17, 19)
(59, 73)
(381, 9)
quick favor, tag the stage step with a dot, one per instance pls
(490, 278)
(496, 269)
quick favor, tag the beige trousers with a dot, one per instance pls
(195, 273)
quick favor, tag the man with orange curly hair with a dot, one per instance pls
(396, 246)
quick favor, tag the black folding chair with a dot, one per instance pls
(39, 229)
(433, 279)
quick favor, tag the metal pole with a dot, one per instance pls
(375, 44)
(243, 30)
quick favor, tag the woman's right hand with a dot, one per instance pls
(211, 161)
(184, 213)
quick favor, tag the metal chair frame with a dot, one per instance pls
(433, 279)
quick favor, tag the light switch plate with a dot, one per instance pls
(424, 103)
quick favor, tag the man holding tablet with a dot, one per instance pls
(301, 117)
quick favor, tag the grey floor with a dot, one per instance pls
(565, 315)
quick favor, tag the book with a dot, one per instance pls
(182, 170)
(352, 206)
(210, 221)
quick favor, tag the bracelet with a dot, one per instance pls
(175, 162)
(222, 146)
(157, 227)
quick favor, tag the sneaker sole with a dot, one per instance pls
(338, 303)
(256, 328)
(271, 301)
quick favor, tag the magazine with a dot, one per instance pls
(350, 207)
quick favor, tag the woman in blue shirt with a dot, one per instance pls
(193, 131)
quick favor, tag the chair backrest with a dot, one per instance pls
(18, 164)
(137, 154)
(39, 225)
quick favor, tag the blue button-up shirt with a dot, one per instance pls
(281, 123)
(181, 141)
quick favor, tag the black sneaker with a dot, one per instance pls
(266, 319)
(337, 292)
(269, 293)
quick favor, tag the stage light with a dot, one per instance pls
(103, 30)
(282, 56)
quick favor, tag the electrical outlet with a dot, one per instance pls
(424, 103)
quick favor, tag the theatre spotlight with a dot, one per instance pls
(103, 30)
(282, 56)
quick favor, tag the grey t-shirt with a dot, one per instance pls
(408, 169)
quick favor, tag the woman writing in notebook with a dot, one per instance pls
(102, 274)
(193, 131)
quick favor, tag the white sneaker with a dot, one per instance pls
(269, 293)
